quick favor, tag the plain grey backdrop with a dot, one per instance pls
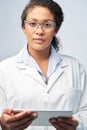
(73, 32)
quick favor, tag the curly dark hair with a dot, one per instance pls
(54, 8)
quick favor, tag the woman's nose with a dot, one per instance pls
(39, 29)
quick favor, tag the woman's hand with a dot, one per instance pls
(64, 123)
(11, 121)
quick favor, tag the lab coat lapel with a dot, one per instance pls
(55, 76)
(30, 72)
(33, 73)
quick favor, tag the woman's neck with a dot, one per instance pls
(39, 55)
(42, 59)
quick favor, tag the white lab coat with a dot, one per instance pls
(21, 87)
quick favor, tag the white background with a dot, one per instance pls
(73, 33)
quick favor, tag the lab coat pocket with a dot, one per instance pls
(73, 99)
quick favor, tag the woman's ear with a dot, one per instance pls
(56, 30)
(23, 28)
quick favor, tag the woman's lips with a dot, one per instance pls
(39, 40)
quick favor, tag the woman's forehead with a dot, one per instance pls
(39, 12)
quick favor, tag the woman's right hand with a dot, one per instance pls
(19, 121)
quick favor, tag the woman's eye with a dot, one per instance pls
(48, 25)
(32, 24)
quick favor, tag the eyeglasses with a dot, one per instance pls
(46, 26)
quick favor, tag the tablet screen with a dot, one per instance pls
(45, 115)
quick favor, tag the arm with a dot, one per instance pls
(81, 115)
(8, 119)
(79, 120)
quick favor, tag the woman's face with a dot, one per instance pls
(39, 38)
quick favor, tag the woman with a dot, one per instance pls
(41, 78)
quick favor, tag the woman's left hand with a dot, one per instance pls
(62, 123)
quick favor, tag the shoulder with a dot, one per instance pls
(8, 63)
(73, 62)
(67, 59)
(11, 60)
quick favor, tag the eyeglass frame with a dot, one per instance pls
(43, 25)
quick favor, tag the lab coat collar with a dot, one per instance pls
(29, 71)
(32, 72)
(23, 62)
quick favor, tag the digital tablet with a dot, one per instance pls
(45, 115)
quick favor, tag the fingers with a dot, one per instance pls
(21, 124)
(64, 123)
(8, 111)
(20, 116)
(17, 121)
(71, 121)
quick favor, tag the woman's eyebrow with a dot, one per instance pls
(44, 20)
